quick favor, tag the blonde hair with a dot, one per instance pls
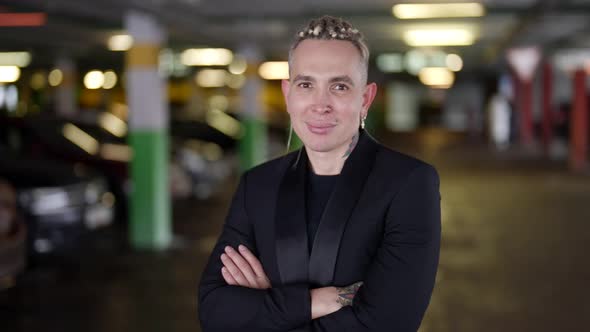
(333, 28)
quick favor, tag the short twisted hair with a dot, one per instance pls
(333, 28)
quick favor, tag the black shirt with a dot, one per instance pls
(318, 189)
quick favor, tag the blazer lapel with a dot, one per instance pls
(340, 206)
(290, 225)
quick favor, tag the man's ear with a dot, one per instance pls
(285, 86)
(368, 97)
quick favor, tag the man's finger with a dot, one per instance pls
(243, 265)
(229, 279)
(253, 261)
(234, 270)
(261, 278)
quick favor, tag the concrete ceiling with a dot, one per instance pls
(82, 27)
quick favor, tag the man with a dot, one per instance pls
(342, 235)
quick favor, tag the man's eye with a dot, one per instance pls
(341, 87)
(304, 85)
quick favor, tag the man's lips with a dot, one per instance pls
(320, 128)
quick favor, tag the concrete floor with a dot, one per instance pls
(516, 229)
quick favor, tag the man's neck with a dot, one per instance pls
(332, 162)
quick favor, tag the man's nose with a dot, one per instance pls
(322, 101)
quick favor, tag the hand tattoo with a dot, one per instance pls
(355, 139)
(346, 294)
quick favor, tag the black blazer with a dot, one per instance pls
(380, 226)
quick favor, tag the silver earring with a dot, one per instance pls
(363, 122)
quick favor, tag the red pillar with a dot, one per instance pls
(578, 160)
(525, 92)
(547, 123)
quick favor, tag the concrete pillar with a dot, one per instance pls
(150, 226)
(547, 122)
(578, 159)
(525, 112)
(66, 101)
(253, 145)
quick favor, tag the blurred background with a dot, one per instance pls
(125, 124)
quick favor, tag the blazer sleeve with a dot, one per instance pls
(225, 307)
(399, 283)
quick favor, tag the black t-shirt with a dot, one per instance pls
(318, 190)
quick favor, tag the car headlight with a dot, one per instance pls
(45, 200)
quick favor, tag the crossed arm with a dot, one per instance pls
(242, 268)
(396, 290)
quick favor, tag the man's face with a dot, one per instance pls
(326, 95)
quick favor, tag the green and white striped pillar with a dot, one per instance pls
(150, 225)
(253, 145)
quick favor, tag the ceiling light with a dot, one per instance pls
(94, 80)
(454, 62)
(211, 78)
(274, 70)
(81, 138)
(437, 77)
(55, 78)
(206, 57)
(235, 81)
(9, 74)
(224, 123)
(19, 59)
(120, 42)
(439, 37)
(113, 124)
(116, 152)
(390, 63)
(434, 10)
(238, 66)
(110, 79)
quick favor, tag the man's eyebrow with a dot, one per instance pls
(303, 78)
(344, 78)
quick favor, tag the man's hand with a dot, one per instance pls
(243, 269)
(327, 300)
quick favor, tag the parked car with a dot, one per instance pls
(12, 237)
(59, 202)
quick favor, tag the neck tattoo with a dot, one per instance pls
(355, 139)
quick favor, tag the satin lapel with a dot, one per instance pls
(340, 206)
(290, 224)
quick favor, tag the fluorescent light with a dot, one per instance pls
(110, 79)
(235, 81)
(224, 123)
(454, 62)
(56, 76)
(238, 66)
(113, 124)
(274, 70)
(211, 78)
(94, 79)
(219, 102)
(79, 137)
(117, 152)
(390, 63)
(439, 37)
(434, 10)
(206, 57)
(19, 59)
(9, 74)
(437, 77)
(120, 42)
(414, 61)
